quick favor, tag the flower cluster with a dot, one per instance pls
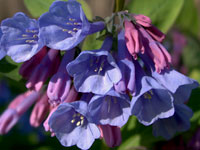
(93, 95)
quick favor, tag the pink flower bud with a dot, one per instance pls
(28, 67)
(44, 70)
(111, 135)
(72, 96)
(46, 122)
(132, 38)
(39, 111)
(155, 33)
(60, 83)
(17, 108)
(143, 20)
(7, 120)
(156, 51)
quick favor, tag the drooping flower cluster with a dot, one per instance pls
(93, 95)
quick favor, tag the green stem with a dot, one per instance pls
(119, 5)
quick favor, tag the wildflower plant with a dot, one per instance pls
(91, 94)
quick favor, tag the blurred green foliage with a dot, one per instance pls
(163, 13)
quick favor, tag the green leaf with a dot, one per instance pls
(194, 104)
(195, 74)
(191, 53)
(162, 12)
(91, 42)
(9, 69)
(137, 136)
(38, 7)
(188, 20)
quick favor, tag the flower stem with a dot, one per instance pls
(119, 5)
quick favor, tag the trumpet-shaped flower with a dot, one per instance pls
(151, 101)
(71, 125)
(112, 109)
(20, 37)
(65, 25)
(95, 71)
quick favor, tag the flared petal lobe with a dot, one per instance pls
(179, 122)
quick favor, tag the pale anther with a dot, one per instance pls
(78, 123)
(64, 30)
(73, 120)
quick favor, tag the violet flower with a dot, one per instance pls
(71, 125)
(151, 100)
(95, 71)
(20, 37)
(112, 109)
(65, 25)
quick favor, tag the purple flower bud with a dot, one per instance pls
(111, 135)
(45, 69)
(60, 83)
(126, 66)
(29, 66)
